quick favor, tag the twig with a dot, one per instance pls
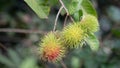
(21, 31)
(63, 64)
(64, 6)
(66, 10)
(65, 20)
(2, 46)
(57, 18)
(71, 19)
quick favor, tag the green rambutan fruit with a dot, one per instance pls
(73, 36)
(51, 48)
(89, 23)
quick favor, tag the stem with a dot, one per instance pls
(2, 46)
(65, 20)
(57, 18)
(66, 10)
(63, 64)
(64, 6)
(21, 31)
(71, 19)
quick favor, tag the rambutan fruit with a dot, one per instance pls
(51, 49)
(89, 23)
(73, 36)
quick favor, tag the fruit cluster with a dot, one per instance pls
(55, 44)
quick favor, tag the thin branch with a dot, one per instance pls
(64, 6)
(2, 46)
(21, 31)
(63, 64)
(71, 19)
(66, 10)
(57, 17)
(65, 20)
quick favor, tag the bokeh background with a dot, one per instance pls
(21, 31)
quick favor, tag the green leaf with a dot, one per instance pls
(116, 32)
(88, 8)
(77, 15)
(75, 6)
(75, 63)
(93, 42)
(40, 9)
(29, 63)
(72, 6)
(53, 2)
(6, 61)
(14, 57)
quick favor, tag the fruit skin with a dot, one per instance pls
(89, 24)
(51, 49)
(73, 36)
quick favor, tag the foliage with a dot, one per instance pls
(22, 33)
(72, 36)
(41, 9)
(15, 61)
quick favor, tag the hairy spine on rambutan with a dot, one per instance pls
(73, 36)
(89, 23)
(51, 48)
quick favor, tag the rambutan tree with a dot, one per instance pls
(75, 34)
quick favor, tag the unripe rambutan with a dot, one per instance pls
(51, 49)
(73, 36)
(89, 23)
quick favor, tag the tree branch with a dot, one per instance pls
(57, 18)
(2, 46)
(63, 64)
(71, 19)
(65, 20)
(21, 31)
(66, 10)
(64, 7)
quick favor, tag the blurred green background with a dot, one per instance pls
(17, 50)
